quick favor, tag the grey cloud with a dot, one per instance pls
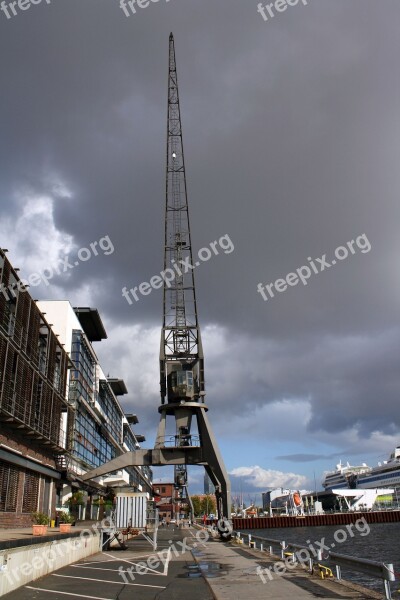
(291, 149)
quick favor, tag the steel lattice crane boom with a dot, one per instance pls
(181, 356)
(181, 352)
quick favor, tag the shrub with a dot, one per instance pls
(66, 517)
(39, 518)
(76, 499)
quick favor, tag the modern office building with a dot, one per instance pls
(59, 413)
(208, 486)
(33, 404)
(97, 428)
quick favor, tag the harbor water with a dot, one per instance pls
(376, 541)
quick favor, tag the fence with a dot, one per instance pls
(362, 565)
(131, 510)
(374, 569)
(290, 549)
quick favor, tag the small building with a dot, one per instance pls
(166, 498)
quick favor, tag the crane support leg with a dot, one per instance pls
(216, 467)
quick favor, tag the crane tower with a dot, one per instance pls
(181, 353)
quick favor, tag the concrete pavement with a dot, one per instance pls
(183, 568)
(232, 573)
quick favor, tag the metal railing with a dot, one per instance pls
(176, 441)
(374, 569)
(285, 549)
(362, 565)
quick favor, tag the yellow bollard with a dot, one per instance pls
(324, 571)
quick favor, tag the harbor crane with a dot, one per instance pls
(182, 383)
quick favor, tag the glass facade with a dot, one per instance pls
(98, 431)
(131, 443)
(82, 379)
(89, 444)
(112, 411)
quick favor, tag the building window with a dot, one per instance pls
(9, 477)
(43, 348)
(31, 492)
(163, 490)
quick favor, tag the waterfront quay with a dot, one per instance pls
(191, 564)
(342, 518)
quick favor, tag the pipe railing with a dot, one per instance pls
(362, 565)
(374, 569)
(285, 549)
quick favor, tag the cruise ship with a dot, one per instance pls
(344, 476)
(363, 477)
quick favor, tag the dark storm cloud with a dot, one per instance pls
(292, 145)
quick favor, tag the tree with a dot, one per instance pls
(208, 505)
(196, 506)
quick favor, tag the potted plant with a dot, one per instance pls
(40, 523)
(74, 502)
(66, 520)
(76, 499)
(108, 506)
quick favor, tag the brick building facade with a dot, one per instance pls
(166, 498)
(59, 414)
(33, 375)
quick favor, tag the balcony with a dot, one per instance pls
(97, 407)
(117, 478)
(16, 414)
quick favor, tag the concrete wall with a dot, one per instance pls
(63, 317)
(20, 566)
